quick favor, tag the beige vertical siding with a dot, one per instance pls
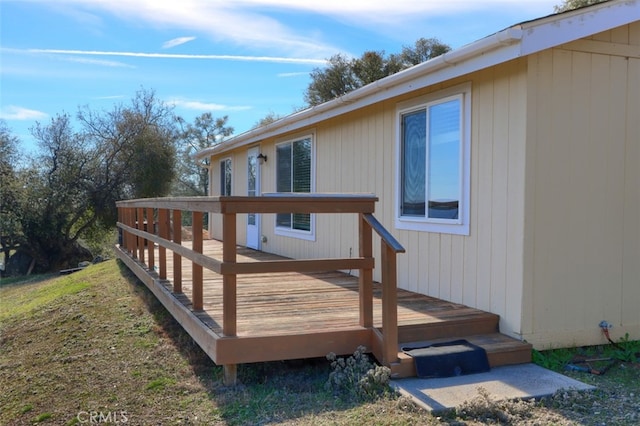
(555, 193)
(238, 187)
(583, 193)
(356, 153)
(215, 223)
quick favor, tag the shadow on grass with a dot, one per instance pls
(268, 392)
(25, 279)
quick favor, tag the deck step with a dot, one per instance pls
(501, 350)
(475, 323)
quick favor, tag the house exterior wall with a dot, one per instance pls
(554, 240)
(356, 152)
(238, 187)
(582, 233)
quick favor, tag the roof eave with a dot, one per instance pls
(518, 40)
(305, 117)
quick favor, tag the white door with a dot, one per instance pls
(253, 189)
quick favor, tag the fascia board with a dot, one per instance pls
(560, 29)
(483, 53)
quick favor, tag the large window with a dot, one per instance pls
(433, 166)
(294, 173)
(225, 176)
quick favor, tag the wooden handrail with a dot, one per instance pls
(271, 266)
(286, 203)
(133, 213)
(389, 249)
(386, 236)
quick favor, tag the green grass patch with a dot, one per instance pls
(99, 341)
(625, 350)
(160, 383)
(25, 297)
(43, 417)
(553, 359)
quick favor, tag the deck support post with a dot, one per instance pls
(196, 289)
(177, 259)
(163, 230)
(230, 374)
(150, 245)
(365, 280)
(389, 305)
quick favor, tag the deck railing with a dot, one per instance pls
(144, 222)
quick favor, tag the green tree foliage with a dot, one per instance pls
(136, 144)
(10, 230)
(206, 131)
(271, 117)
(423, 50)
(67, 192)
(342, 75)
(53, 209)
(574, 4)
(331, 82)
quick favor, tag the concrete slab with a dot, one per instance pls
(523, 381)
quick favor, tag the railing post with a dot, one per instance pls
(389, 305)
(134, 238)
(140, 227)
(125, 234)
(196, 289)
(177, 259)
(150, 244)
(365, 281)
(229, 280)
(131, 239)
(120, 231)
(229, 296)
(163, 229)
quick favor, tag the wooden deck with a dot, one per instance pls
(320, 311)
(244, 306)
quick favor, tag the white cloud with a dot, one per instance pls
(13, 112)
(240, 23)
(292, 74)
(254, 23)
(113, 64)
(177, 42)
(204, 106)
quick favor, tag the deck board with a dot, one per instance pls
(301, 315)
(286, 303)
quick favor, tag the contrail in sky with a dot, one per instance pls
(182, 56)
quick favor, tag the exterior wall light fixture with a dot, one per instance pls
(262, 158)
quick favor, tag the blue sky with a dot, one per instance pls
(240, 58)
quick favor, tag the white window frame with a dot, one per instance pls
(298, 233)
(221, 163)
(458, 226)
